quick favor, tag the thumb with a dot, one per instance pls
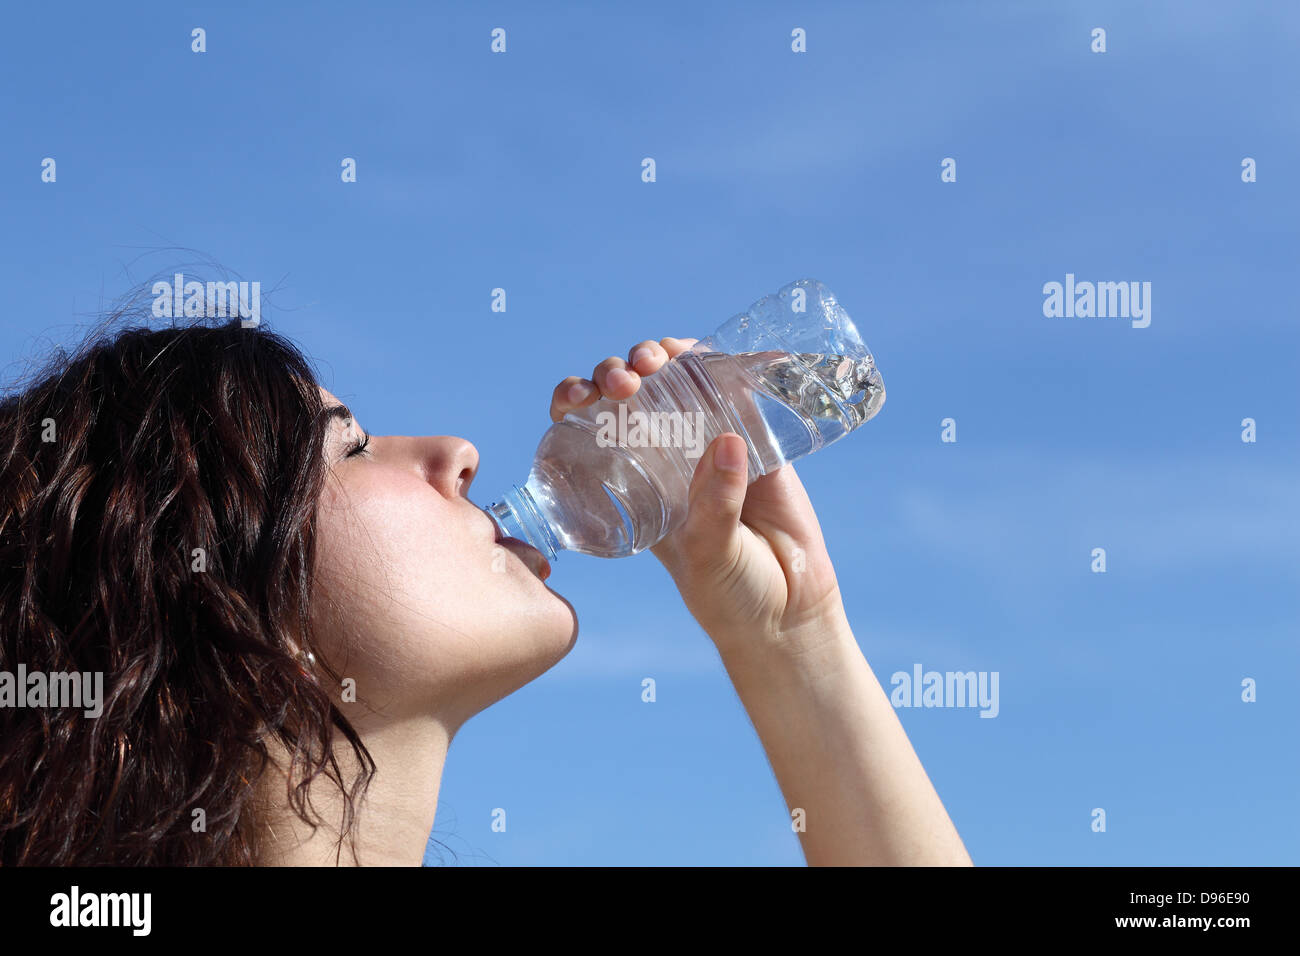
(710, 534)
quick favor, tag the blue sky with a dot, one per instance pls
(1119, 690)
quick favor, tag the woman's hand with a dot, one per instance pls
(749, 560)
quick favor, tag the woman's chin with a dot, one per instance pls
(566, 619)
(555, 629)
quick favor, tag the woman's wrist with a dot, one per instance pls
(780, 649)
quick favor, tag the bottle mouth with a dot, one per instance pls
(500, 514)
(517, 516)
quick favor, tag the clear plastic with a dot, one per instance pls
(790, 375)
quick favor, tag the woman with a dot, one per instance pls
(293, 617)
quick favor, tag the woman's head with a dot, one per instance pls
(415, 598)
(186, 511)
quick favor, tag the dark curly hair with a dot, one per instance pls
(158, 492)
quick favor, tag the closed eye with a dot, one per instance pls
(359, 447)
(342, 414)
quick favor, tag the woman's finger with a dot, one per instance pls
(646, 358)
(675, 346)
(614, 379)
(710, 536)
(573, 392)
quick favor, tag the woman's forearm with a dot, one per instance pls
(841, 756)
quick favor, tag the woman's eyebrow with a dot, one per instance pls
(343, 413)
(340, 412)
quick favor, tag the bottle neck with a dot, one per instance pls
(516, 515)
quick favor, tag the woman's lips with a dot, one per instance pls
(528, 555)
(522, 550)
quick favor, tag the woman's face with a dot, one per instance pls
(414, 598)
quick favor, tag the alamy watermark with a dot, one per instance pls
(946, 689)
(638, 429)
(195, 300)
(1102, 300)
(75, 909)
(79, 689)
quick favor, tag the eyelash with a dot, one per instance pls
(358, 448)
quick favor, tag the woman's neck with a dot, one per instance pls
(393, 818)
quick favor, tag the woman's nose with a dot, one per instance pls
(449, 463)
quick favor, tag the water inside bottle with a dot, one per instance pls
(839, 384)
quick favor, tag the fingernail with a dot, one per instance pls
(640, 354)
(578, 392)
(730, 456)
(617, 377)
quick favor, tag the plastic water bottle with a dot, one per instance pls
(790, 375)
